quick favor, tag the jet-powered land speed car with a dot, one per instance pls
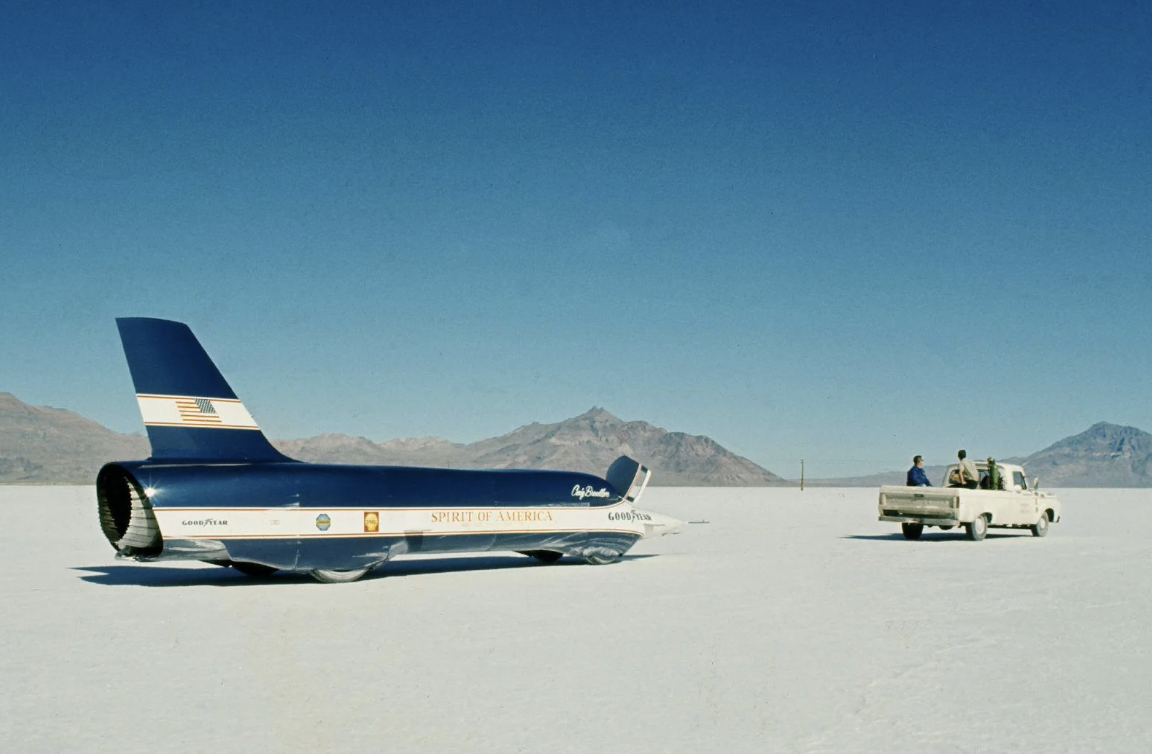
(216, 490)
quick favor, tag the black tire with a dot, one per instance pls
(544, 556)
(945, 528)
(978, 529)
(912, 531)
(258, 570)
(1040, 528)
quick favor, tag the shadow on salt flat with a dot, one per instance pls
(140, 575)
(943, 536)
(169, 576)
(405, 567)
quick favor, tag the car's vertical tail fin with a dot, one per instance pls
(189, 410)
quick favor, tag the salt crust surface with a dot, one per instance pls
(791, 621)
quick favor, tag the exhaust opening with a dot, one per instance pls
(126, 516)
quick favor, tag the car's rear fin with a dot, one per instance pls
(189, 410)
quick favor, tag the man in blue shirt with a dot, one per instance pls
(916, 475)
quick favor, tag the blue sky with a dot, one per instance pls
(839, 231)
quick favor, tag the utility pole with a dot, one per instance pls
(801, 474)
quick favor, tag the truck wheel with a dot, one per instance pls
(977, 529)
(912, 531)
(1040, 528)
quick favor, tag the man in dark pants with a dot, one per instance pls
(964, 475)
(916, 475)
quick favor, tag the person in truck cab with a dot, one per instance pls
(965, 474)
(916, 475)
(992, 479)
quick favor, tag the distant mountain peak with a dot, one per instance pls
(1101, 433)
(588, 442)
(1104, 428)
(1104, 455)
(11, 402)
(598, 413)
(44, 444)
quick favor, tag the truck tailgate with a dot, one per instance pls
(918, 504)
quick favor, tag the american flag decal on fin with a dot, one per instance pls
(194, 411)
(197, 411)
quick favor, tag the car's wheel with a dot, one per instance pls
(977, 529)
(945, 528)
(254, 569)
(912, 531)
(338, 577)
(602, 556)
(1040, 528)
(544, 556)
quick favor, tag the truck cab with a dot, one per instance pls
(1003, 498)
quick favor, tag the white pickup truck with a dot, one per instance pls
(1002, 499)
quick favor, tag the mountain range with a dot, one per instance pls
(1104, 455)
(42, 445)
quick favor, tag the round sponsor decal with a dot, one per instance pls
(323, 522)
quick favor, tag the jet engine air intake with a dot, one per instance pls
(126, 515)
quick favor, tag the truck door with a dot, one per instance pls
(1028, 506)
